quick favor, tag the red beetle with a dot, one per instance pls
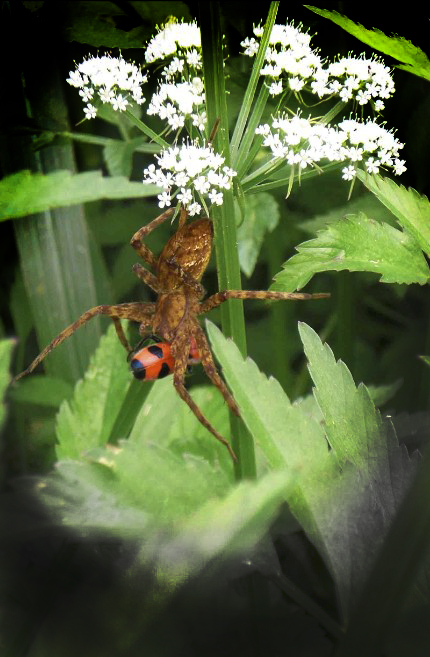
(156, 361)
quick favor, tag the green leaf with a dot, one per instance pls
(42, 390)
(167, 486)
(86, 420)
(221, 528)
(366, 203)
(94, 23)
(383, 393)
(352, 424)
(118, 155)
(165, 420)
(425, 359)
(25, 193)
(157, 415)
(286, 435)
(134, 492)
(356, 243)
(103, 34)
(6, 347)
(261, 215)
(414, 60)
(351, 512)
(411, 209)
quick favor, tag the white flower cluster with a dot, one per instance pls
(181, 95)
(171, 37)
(289, 56)
(194, 171)
(174, 102)
(301, 142)
(288, 52)
(106, 77)
(355, 78)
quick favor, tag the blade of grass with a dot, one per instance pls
(54, 246)
(246, 153)
(252, 85)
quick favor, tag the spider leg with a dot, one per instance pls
(265, 295)
(180, 350)
(137, 239)
(210, 368)
(138, 312)
(121, 335)
(146, 277)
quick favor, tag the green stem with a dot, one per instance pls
(146, 130)
(281, 316)
(232, 318)
(346, 320)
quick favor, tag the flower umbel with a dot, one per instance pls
(301, 142)
(181, 96)
(172, 38)
(191, 171)
(291, 63)
(112, 79)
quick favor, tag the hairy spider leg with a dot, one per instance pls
(137, 239)
(138, 312)
(180, 349)
(211, 369)
(146, 277)
(264, 295)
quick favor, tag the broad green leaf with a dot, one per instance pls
(352, 424)
(414, 60)
(133, 492)
(356, 243)
(104, 34)
(411, 209)
(6, 347)
(25, 193)
(261, 214)
(81, 495)
(167, 486)
(187, 434)
(220, 528)
(367, 204)
(165, 420)
(287, 436)
(383, 393)
(87, 22)
(42, 390)
(118, 156)
(157, 415)
(87, 420)
(351, 512)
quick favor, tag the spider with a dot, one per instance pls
(174, 316)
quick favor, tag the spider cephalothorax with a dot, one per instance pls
(174, 316)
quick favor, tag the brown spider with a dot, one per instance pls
(178, 271)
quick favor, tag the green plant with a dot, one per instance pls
(131, 463)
